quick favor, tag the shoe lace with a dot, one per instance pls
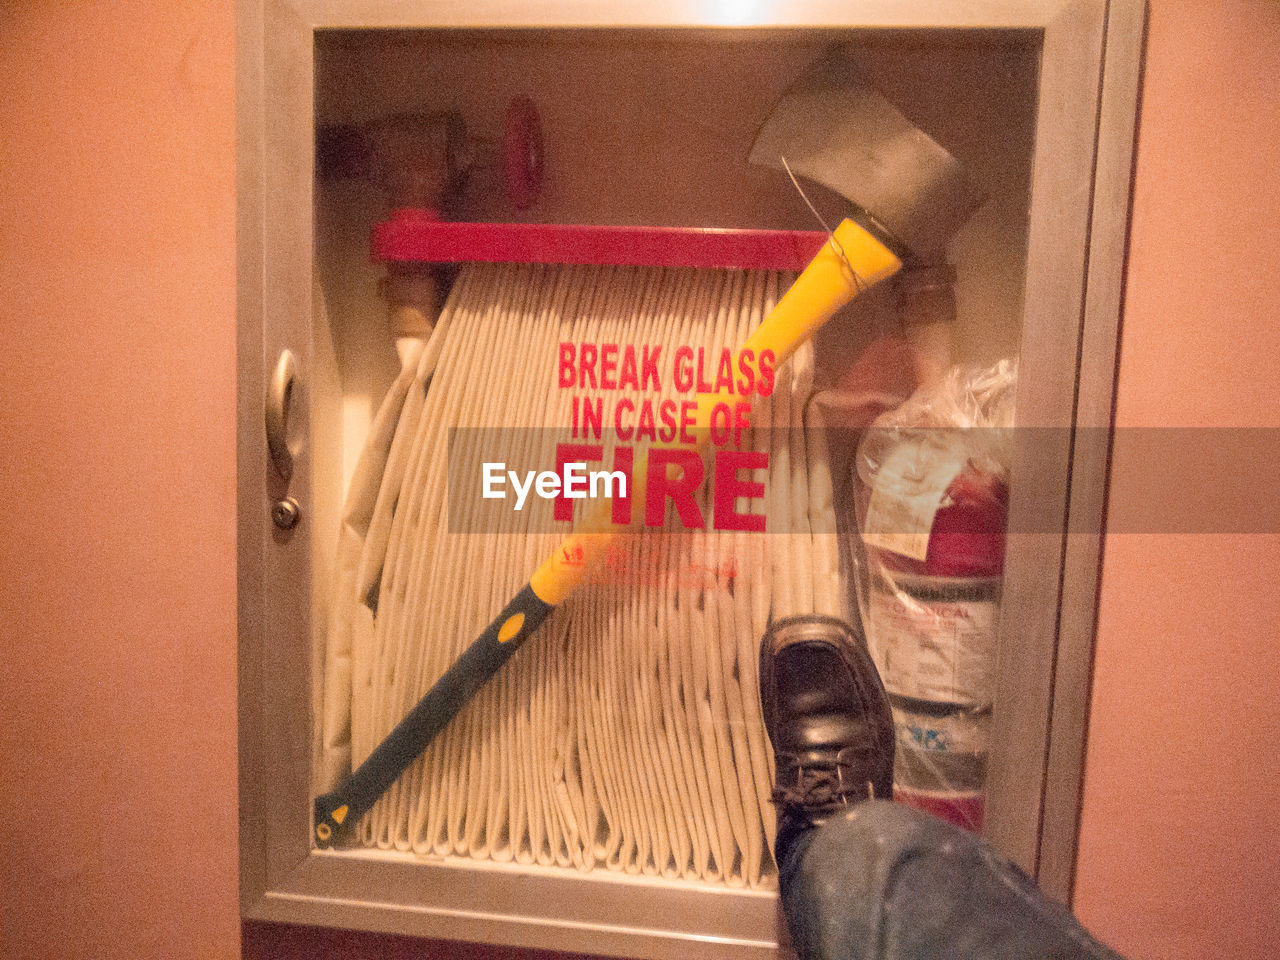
(825, 783)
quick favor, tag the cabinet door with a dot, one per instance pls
(645, 107)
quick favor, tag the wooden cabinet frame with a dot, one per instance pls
(1090, 72)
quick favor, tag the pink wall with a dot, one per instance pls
(117, 358)
(1180, 838)
(117, 519)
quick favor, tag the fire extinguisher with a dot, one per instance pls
(931, 618)
(933, 506)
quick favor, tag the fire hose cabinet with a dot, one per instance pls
(835, 287)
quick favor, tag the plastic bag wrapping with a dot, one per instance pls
(627, 735)
(932, 499)
(969, 412)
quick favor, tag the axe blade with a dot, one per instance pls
(834, 128)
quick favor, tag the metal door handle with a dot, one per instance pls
(279, 398)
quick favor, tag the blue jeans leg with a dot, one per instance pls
(887, 882)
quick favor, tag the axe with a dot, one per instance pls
(909, 196)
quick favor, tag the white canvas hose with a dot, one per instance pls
(627, 736)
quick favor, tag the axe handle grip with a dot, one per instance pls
(848, 263)
(340, 810)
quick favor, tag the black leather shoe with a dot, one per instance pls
(828, 718)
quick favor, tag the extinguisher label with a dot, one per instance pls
(908, 491)
(963, 731)
(932, 649)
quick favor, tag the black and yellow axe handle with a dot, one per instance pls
(848, 263)
(414, 733)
